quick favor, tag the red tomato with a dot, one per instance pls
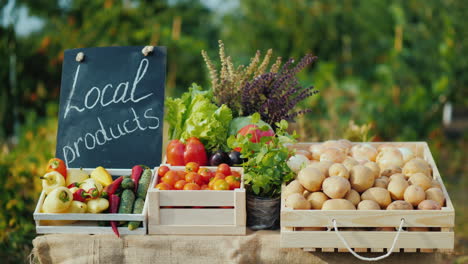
(193, 177)
(162, 186)
(220, 175)
(220, 185)
(192, 167)
(195, 151)
(171, 177)
(233, 182)
(162, 170)
(235, 174)
(182, 174)
(191, 186)
(204, 187)
(213, 180)
(57, 165)
(175, 153)
(179, 185)
(224, 169)
(206, 174)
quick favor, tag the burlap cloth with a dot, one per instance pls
(255, 247)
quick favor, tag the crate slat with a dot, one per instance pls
(196, 230)
(200, 217)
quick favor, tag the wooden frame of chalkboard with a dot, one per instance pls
(112, 107)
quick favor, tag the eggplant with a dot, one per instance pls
(220, 157)
(235, 157)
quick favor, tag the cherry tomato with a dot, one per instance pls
(233, 182)
(57, 165)
(220, 185)
(171, 177)
(213, 180)
(162, 186)
(224, 169)
(192, 167)
(220, 175)
(206, 174)
(179, 185)
(235, 173)
(175, 153)
(191, 186)
(182, 174)
(162, 170)
(204, 187)
(194, 177)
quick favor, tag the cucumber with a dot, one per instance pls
(126, 202)
(137, 209)
(127, 183)
(144, 183)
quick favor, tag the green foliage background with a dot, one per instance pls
(388, 64)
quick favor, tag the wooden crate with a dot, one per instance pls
(356, 226)
(182, 219)
(87, 223)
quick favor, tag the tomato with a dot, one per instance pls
(171, 177)
(175, 153)
(182, 174)
(191, 186)
(179, 185)
(256, 132)
(162, 170)
(204, 187)
(194, 177)
(220, 185)
(214, 179)
(192, 167)
(162, 186)
(57, 165)
(195, 152)
(219, 175)
(206, 174)
(234, 182)
(236, 174)
(224, 169)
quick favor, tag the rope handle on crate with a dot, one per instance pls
(364, 258)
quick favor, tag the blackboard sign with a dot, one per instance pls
(111, 107)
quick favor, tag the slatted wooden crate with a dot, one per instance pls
(178, 211)
(88, 223)
(358, 227)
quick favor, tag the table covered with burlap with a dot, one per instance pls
(255, 247)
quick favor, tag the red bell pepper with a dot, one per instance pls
(175, 153)
(114, 201)
(195, 152)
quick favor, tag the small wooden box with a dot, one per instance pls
(87, 223)
(356, 226)
(172, 211)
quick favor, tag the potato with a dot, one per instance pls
(374, 167)
(338, 169)
(322, 166)
(397, 187)
(407, 154)
(400, 205)
(380, 195)
(316, 150)
(293, 187)
(435, 194)
(338, 204)
(336, 144)
(429, 205)
(363, 152)
(348, 144)
(305, 153)
(350, 162)
(297, 162)
(436, 184)
(389, 158)
(421, 180)
(297, 201)
(316, 199)
(311, 179)
(334, 155)
(353, 197)
(361, 178)
(416, 165)
(381, 182)
(418, 229)
(368, 205)
(336, 187)
(398, 176)
(390, 171)
(414, 195)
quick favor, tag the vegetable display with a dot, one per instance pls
(363, 177)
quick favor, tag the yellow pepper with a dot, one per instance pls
(52, 180)
(76, 207)
(57, 201)
(98, 205)
(102, 176)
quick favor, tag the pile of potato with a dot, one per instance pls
(339, 175)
